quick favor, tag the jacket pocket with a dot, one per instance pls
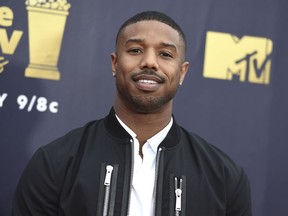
(107, 190)
(177, 195)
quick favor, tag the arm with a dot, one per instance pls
(239, 200)
(36, 193)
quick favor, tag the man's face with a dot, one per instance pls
(149, 65)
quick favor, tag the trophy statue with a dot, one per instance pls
(46, 24)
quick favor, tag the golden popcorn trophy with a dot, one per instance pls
(47, 20)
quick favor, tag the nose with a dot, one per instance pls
(149, 61)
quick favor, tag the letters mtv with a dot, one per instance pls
(228, 57)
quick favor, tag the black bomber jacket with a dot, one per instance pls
(87, 172)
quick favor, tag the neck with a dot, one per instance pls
(145, 125)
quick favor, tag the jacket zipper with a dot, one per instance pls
(107, 184)
(131, 174)
(178, 196)
(158, 198)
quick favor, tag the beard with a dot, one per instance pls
(146, 103)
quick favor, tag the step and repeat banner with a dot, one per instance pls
(55, 75)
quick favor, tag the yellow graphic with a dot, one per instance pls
(247, 58)
(47, 20)
(7, 45)
(3, 62)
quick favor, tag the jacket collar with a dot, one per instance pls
(115, 129)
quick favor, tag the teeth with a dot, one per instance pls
(147, 81)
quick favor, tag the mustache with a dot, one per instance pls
(149, 73)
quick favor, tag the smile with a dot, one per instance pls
(147, 81)
(147, 85)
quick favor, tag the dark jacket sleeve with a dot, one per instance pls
(238, 194)
(36, 193)
(236, 186)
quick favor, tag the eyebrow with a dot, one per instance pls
(133, 40)
(171, 45)
(139, 40)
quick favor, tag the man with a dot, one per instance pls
(137, 160)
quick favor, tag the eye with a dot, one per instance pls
(134, 50)
(166, 55)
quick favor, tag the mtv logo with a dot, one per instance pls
(247, 58)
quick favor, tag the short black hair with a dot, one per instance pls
(153, 16)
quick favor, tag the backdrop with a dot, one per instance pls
(55, 75)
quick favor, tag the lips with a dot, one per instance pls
(148, 82)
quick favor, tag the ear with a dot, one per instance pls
(183, 71)
(114, 61)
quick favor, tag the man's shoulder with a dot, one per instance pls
(70, 143)
(221, 172)
(210, 154)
